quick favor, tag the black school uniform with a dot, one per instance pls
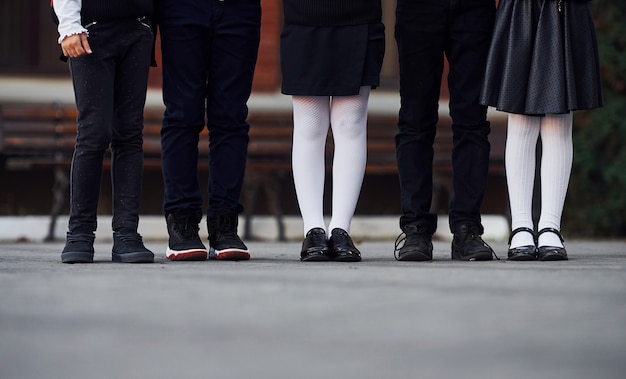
(331, 47)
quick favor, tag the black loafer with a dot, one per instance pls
(522, 253)
(342, 248)
(315, 246)
(551, 253)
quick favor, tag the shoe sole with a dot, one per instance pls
(475, 257)
(317, 253)
(186, 255)
(229, 255)
(315, 258)
(76, 257)
(415, 256)
(553, 254)
(553, 258)
(522, 258)
(136, 257)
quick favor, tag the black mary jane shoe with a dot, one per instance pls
(315, 246)
(342, 248)
(522, 253)
(551, 253)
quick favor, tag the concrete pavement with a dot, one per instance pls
(275, 317)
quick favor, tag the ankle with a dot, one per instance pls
(522, 239)
(549, 237)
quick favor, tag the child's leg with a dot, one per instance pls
(310, 129)
(131, 82)
(349, 126)
(520, 152)
(556, 166)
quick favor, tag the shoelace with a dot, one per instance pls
(474, 232)
(131, 238)
(401, 239)
(224, 228)
(223, 223)
(80, 238)
(396, 247)
(186, 228)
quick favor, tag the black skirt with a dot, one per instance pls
(331, 60)
(543, 60)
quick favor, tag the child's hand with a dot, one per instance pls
(75, 45)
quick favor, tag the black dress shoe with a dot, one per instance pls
(467, 245)
(551, 253)
(522, 253)
(315, 246)
(417, 246)
(342, 248)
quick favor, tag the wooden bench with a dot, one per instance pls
(42, 136)
(269, 158)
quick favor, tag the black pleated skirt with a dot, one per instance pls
(543, 60)
(331, 60)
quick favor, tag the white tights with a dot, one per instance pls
(312, 116)
(556, 164)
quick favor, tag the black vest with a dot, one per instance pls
(332, 12)
(106, 10)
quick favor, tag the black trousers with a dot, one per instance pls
(209, 52)
(425, 31)
(110, 89)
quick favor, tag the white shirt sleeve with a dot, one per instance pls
(68, 12)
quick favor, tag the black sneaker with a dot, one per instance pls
(315, 246)
(414, 244)
(184, 243)
(129, 248)
(342, 248)
(468, 246)
(78, 249)
(224, 242)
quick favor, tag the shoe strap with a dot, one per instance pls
(522, 229)
(550, 230)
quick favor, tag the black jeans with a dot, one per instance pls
(209, 54)
(110, 89)
(425, 31)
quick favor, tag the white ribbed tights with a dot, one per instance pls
(556, 164)
(347, 117)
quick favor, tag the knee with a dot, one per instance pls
(479, 130)
(349, 126)
(93, 140)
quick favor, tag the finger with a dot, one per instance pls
(85, 43)
(75, 45)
